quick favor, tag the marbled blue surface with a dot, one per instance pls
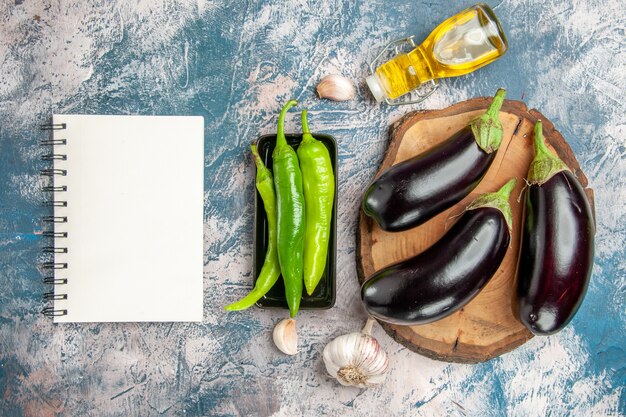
(235, 63)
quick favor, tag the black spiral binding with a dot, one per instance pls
(53, 268)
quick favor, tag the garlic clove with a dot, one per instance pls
(286, 337)
(356, 359)
(336, 87)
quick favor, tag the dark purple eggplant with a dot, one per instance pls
(413, 191)
(556, 255)
(446, 276)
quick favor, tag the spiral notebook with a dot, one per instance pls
(126, 235)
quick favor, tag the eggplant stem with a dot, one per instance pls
(487, 129)
(540, 142)
(496, 104)
(498, 200)
(546, 164)
(505, 191)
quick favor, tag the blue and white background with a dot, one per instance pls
(236, 63)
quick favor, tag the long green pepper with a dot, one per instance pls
(319, 193)
(290, 205)
(270, 271)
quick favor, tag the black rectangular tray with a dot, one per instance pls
(324, 295)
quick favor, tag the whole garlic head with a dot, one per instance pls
(356, 359)
(336, 87)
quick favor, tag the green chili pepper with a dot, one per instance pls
(270, 271)
(319, 192)
(290, 204)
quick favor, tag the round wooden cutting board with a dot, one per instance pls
(486, 327)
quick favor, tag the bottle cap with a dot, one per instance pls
(375, 87)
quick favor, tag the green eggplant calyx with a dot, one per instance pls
(546, 164)
(487, 128)
(498, 200)
(280, 134)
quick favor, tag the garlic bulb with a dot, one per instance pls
(286, 337)
(357, 359)
(336, 87)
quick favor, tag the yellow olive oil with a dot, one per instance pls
(459, 45)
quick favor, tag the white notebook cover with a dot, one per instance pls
(135, 193)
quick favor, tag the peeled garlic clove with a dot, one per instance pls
(286, 337)
(336, 87)
(356, 359)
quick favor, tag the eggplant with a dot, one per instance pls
(557, 244)
(450, 273)
(413, 191)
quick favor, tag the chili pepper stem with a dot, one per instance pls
(262, 172)
(257, 158)
(498, 200)
(487, 129)
(546, 164)
(306, 133)
(280, 134)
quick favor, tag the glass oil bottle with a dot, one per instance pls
(461, 44)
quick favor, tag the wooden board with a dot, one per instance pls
(486, 327)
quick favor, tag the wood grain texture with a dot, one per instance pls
(486, 327)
